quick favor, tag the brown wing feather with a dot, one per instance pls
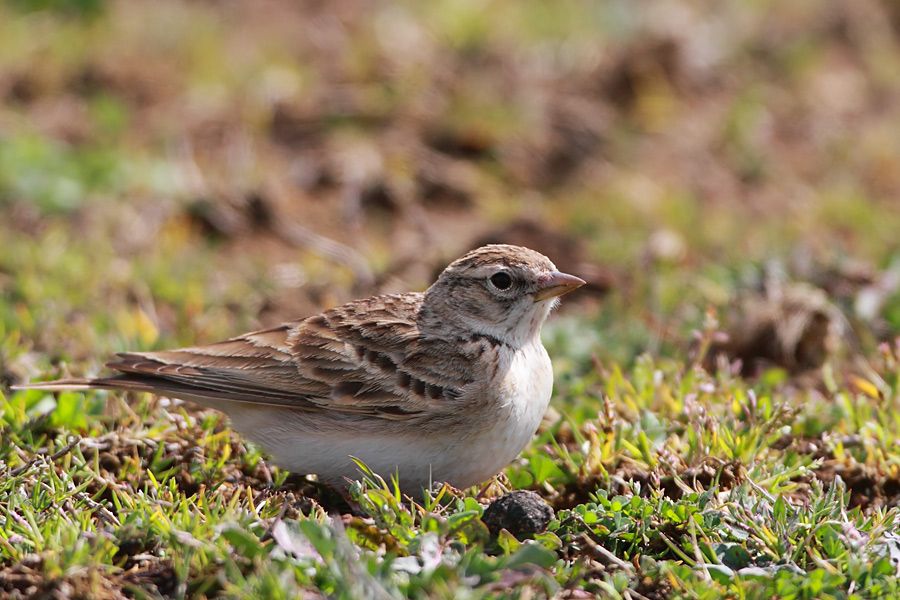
(365, 357)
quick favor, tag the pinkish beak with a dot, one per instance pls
(557, 284)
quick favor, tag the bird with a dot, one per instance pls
(447, 385)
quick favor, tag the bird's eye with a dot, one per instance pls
(501, 280)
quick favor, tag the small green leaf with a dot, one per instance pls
(532, 554)
(243, 541)
(508, 542)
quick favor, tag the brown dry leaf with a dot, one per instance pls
(794, 326)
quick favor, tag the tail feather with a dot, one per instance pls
(60, 385)
(213, 387)
(155, 385)
(81, 383)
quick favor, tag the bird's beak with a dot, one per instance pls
(556, 284)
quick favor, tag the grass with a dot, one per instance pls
(154, 159)
(690, 486)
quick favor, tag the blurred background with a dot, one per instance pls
(725, 174)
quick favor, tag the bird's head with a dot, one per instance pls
(502, 291)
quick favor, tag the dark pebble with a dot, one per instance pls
(521, 513)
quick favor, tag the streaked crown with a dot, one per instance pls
(515, 257)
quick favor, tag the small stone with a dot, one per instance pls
(522, 513)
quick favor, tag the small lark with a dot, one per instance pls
(446, 385)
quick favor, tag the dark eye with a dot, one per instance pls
(501, 280)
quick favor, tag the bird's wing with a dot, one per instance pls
(366, 358)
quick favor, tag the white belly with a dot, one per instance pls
(461, 458)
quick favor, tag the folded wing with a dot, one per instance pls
(363, 358)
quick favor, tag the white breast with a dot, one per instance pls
(523, 395)
(518, 401)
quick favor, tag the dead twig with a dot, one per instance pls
(52, 458)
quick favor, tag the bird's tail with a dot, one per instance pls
(130, 382)
(119, 382)
(60, 385)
